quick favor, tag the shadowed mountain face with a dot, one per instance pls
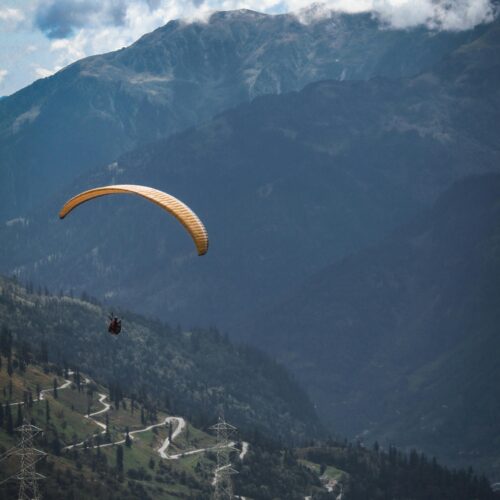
(285, 185)
(91, 112)
(400, 342)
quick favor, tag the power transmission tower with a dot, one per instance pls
(29, 456)
(223, 485)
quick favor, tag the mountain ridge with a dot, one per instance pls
(89, 113)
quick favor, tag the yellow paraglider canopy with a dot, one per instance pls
(172, 205)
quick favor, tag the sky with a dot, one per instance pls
(39, 37)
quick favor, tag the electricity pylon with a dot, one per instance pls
(29, 456)
(223, 485)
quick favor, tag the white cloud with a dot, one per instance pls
(436, 14)
(11, 19)
(447, 15)
(141, 16)
(11, 14)
(74, 47)
(3, 74)
(56, 38)
(45, 72)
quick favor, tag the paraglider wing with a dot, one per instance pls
(172, 205)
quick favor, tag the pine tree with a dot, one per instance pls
(56, 445)
(6, 342)
(108, 436)
(10, 389)
(128, 440)
(25, 352)
(1, 415)
(119, 458)
(19, 421)
(47, 411)
(10, 370)
(10, 424)
(55, 388)
(44, 353)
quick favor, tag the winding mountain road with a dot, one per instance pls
(162, 451)
(181, 425)
(244, 449)
(106, 408)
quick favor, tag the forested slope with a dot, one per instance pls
(194, 373)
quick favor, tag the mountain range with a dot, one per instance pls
(285, 185)
(183, 73)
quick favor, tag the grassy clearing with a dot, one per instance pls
(122, 418)
(192, 438)
(330, 472)
(69, 424)
(78, 401)
(22, 382)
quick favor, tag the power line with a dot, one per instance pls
(29, 456)
(223, 484)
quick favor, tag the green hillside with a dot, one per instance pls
(89, 455)
(85, 471)
(193, 373)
